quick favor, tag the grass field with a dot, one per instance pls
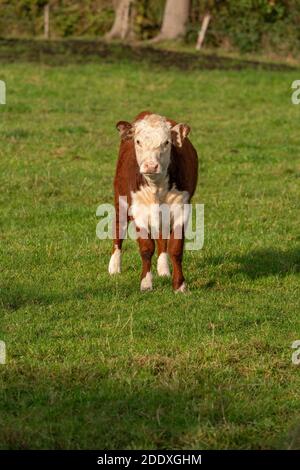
(92, 362)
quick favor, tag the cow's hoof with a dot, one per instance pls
(114, 266)
(182, 289)
(146, 283)
(163, 265)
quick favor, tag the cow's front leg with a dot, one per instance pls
(114, 266)
(176, 254)
(162, 260)
(147, 247)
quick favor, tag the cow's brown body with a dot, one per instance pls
(182, 174)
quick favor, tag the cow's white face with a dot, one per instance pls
(153, 138)
(152, 141)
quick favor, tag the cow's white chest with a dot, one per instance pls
(153, 207)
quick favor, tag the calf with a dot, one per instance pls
(157, 164)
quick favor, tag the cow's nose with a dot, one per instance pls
(151, 167)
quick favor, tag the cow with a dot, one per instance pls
(157, 164)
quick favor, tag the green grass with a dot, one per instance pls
(92, 362)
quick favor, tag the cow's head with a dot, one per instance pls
(153, 138)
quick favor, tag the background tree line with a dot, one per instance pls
(246, 25)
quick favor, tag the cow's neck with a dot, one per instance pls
(158, 183)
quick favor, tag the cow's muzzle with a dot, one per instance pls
(150, 168)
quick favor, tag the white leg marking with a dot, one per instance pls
(163, 265)
(146, 283)
(114, 266)
(182, 288)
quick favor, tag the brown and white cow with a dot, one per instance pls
(157, 164)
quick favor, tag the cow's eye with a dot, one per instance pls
(167, 142)
(138, 142)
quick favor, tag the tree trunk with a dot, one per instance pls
(121, 26)
(175, 20)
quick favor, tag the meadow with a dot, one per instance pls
(92, 362)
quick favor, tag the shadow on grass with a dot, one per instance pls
(84, 407)
(263, 262)
(62, 52)
(268, 262)
(96, 406)
(16, 296)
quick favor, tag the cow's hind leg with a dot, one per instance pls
(147, 248)
(162, 260)
(175, 247)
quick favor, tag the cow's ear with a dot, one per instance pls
(125, 129)
(179, 133)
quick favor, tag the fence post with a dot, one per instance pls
(2, 92)
(47, 21)
(202, 32)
